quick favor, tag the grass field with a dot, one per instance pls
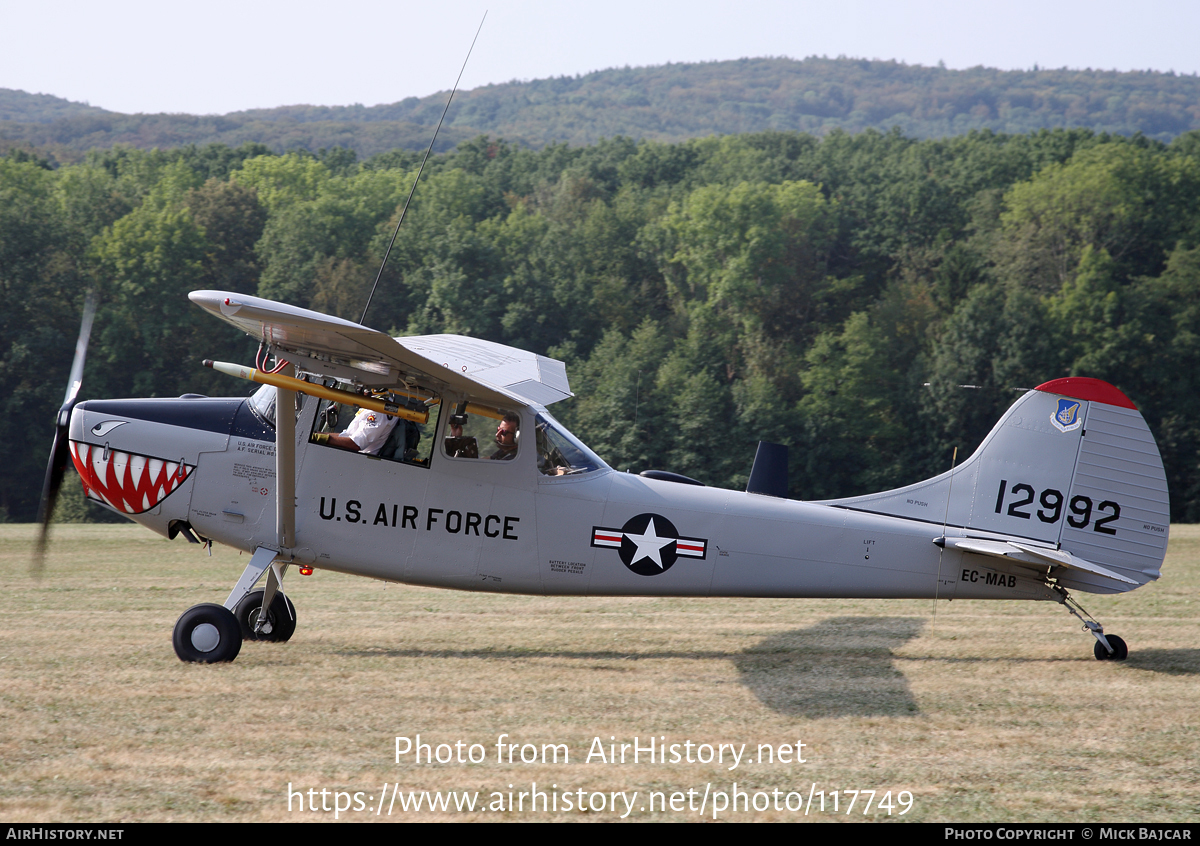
(984, 712)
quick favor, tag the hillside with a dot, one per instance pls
(23, 107)
(664, 103)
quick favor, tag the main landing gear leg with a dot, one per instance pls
(259, 561)
(211, 633)
(1108, 647)
(265, 624)
(263, 614)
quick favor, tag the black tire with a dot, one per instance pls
(207, 634)
(1120, 650)
(281, 618)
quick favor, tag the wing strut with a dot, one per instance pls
(285, 470)
(285, 496)
(285, 513)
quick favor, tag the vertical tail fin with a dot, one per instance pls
(1071, 465)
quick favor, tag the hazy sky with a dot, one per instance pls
(221, 56)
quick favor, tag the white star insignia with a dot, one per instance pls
(649, 545)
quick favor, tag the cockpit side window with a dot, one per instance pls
(480, 431)
(559, 453)
(406, 438)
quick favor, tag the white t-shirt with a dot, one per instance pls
(370, 430)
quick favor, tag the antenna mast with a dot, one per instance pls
(420, 170)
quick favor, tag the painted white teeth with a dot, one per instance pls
(99, 466)
(137, 466)
(128, 482)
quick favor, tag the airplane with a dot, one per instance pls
(478, 487)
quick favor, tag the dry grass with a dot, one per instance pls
(986, 712)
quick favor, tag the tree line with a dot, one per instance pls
(871, 300)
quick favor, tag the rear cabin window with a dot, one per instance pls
(407, 438)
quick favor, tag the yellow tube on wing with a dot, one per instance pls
(317, 390)
(484, 411)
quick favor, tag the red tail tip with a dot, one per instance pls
(1083, 388)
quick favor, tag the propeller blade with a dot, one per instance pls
(60, 451)
(75, 381)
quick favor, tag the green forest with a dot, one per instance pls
(871, 300)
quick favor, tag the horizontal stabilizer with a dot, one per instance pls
(1027, 554)
(1062, 558)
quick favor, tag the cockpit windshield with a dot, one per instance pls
(262, 402)
(559, 453)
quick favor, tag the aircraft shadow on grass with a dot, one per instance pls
(841, 667)
(1171, 662)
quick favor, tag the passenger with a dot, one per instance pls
(367, 433)
(506, 438)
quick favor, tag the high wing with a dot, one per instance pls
(534, 378)
(331, 346)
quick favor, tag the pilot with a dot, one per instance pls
(367, 433)
(506, 438)
(550, 460)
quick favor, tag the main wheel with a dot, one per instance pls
(1120, 650)
(281, 617)
(207, 634)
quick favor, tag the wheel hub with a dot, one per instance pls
(267, 626)
(205, 637)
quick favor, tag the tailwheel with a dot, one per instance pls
(280, 624)
(207, 634)
(1120, 650)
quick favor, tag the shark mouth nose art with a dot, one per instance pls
(130, 483)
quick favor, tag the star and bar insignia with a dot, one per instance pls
(649, 544)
